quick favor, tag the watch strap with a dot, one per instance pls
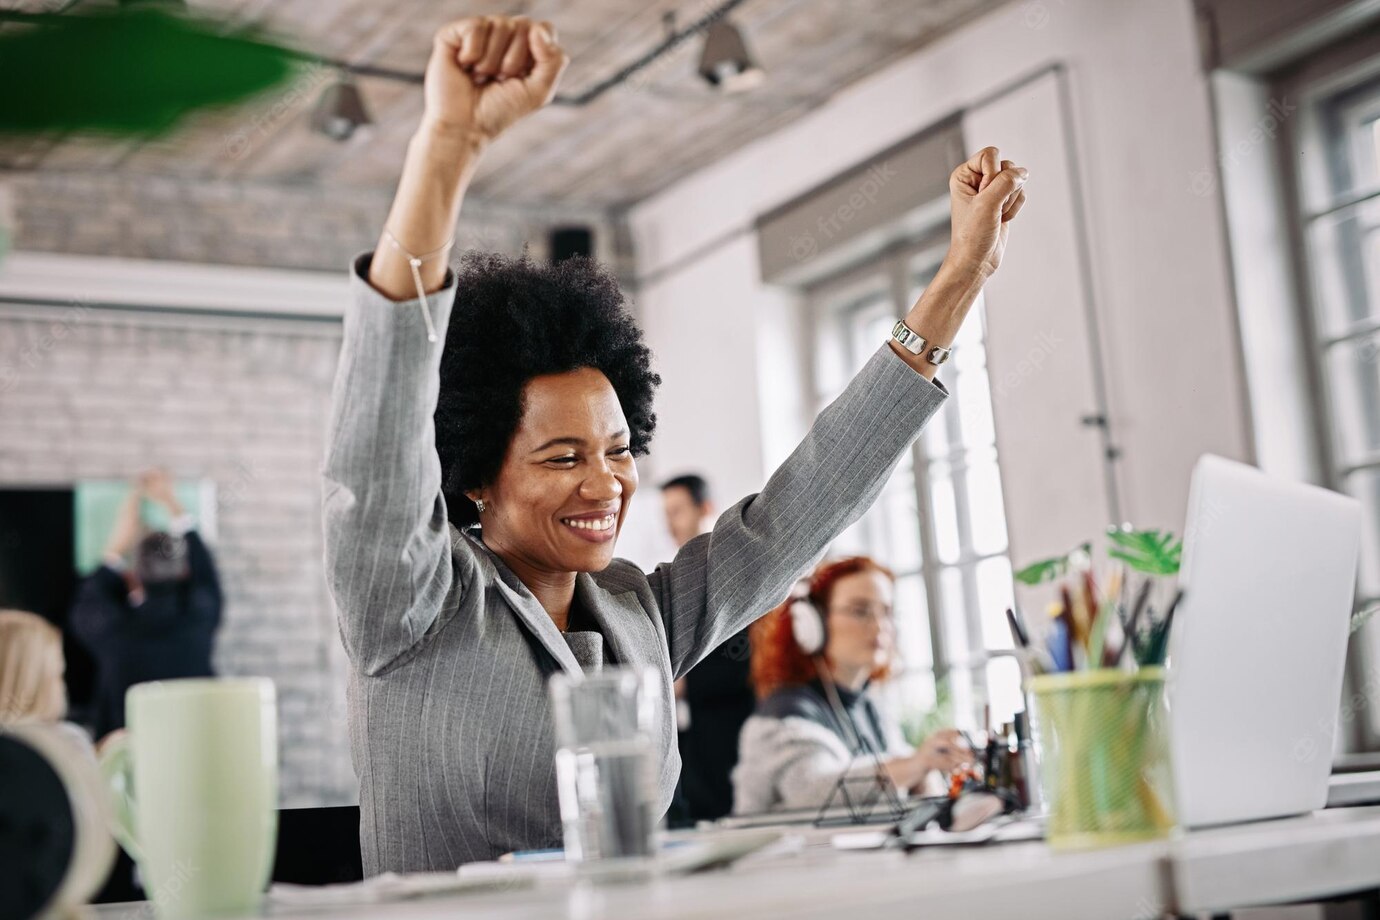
(917, 344)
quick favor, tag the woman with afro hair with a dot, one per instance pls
(480, 462)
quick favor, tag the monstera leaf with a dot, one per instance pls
(1153, 552)
(1053, 568)
(129, 70)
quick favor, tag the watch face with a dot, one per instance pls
(907, 338)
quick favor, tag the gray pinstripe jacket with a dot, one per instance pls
(449, 720)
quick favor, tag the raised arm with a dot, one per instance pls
(721, 581)
(125, 532)
(388, 548)
(484, 74)
(206, 605)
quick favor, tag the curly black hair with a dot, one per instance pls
(515, 319)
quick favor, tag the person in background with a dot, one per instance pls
(31, 669)
(796, 745)
(32, 665)
(151, 609)
(715, 698)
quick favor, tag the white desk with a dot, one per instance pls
(1328, 853)
(997, 882)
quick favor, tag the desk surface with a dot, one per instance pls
(999, 881)
(1312, 856)
(1326, 853)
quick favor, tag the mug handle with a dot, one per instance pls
(115, 764)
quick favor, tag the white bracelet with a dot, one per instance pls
(415, 263)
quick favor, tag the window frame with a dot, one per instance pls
(1328, 75)
(834, 305)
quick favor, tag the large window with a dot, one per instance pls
(940, 523)
(1332, 157)
(1340, 214)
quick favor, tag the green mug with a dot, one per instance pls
(194, 783)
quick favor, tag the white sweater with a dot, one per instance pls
(792, 750)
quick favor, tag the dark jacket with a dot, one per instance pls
(169, 635)
(719, 693)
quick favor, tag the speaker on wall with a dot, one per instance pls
(571, 241)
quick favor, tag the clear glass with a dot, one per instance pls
(975, 406)
(902, 551)
(1344, 249)
(955, 613)
(1351, 124)
(1353, 369)
(995, 595)
(912, 615)
(988, 515)
(945, 511)
(606, 764)
(1004, 688)
(1364, 486)
(935, 439)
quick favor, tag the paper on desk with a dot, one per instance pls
(991, 832)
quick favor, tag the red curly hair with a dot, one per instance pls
(777, 660)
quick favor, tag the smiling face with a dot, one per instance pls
(563, 490)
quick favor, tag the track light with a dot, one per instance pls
(726, 63)
(340, 111)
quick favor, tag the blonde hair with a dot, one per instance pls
(31, 666)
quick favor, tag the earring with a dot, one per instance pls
(479, 503)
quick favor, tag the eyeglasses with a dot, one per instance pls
(863, 610)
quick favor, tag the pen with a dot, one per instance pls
(1076, 626)
(1141, 597)
(1018, 630)
(1158, 648)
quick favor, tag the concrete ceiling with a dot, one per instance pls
(629, 143)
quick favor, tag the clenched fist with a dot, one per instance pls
(985, 193)
(486, 72)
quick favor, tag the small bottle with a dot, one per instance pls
(1028, 787)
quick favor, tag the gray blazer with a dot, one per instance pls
(450, 725)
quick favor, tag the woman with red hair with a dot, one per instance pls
(798, 744)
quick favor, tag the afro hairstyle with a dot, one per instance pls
(515, 319)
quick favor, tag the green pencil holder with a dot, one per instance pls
(1104, 757)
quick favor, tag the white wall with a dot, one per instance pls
(1160, 279)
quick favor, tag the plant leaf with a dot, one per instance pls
(1052, 568)
(1359, 618)
(1153, 552)
(132, 70)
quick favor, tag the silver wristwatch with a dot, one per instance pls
(917, 344)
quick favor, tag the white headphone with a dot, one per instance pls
(807, 625)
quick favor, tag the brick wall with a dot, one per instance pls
(230, 223)
(88, 393)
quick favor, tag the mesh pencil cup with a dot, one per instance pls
(1105, 770)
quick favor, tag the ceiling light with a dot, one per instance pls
(726, 63)
(340, 111)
